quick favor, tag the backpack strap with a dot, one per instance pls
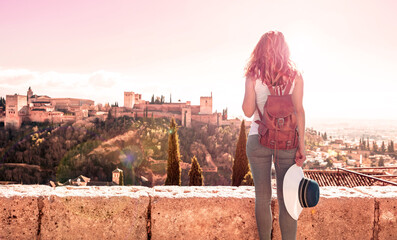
(271, 89)
(259, 112)
(287, 88)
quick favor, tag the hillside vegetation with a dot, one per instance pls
(37, 154)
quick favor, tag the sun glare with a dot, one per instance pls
(303, 51)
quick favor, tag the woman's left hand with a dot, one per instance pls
(300, 157)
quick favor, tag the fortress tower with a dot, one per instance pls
(30, 94)
(15, 109)
(186, 116)
(206, 105)
(129, 99)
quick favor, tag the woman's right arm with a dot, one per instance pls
(249, 97)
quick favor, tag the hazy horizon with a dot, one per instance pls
(97, 50)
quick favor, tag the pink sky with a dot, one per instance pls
(98, 49)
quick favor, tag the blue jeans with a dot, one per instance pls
(260, 160)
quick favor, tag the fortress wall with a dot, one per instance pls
(195, 109)
(174, 212)
(205, 118)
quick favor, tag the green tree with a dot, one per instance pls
(248, 180)
(383, 147)
(2, 102)
(110, 116)
(173, 166)
(390, 147)
(195, 173)
(121, 179)
(240, 163)
(367, 143)
(374, 146)
(381, 162)
(152, 101)
(329, 162)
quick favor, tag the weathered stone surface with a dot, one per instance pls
(385, 211)
(18, 217)
(342, 213)
(217, 212)
(19, 211)
(203, 213)
(101, 213)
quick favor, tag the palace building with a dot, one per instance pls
(185, 112)
(35, 108)
(42, 108)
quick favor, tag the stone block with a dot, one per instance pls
(19, 214)
(385, 210)
(18, 217)
(95, 213)
(203, 213)
(342, 213)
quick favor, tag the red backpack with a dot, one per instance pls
(277, 126)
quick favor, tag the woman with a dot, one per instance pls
(270, 65)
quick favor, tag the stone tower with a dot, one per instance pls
(129, 99)
(30, 94)
(15, 107)
(206, 105)
(186, 116)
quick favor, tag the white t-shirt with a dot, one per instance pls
(261, 93)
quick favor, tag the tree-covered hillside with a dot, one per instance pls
(37, 154)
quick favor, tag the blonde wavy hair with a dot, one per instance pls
(270, 61)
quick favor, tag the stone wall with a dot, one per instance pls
(172, 212)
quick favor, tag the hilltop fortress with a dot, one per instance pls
(35, 108)
(185, 112)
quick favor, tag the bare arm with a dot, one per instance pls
(297, 98)
(249, 98)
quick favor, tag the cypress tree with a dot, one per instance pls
(240, 163)
(195, 173)
(173, 167)
(121, 179)
(110, 116)
(374, 146)
(383, 147)
(367, 143)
